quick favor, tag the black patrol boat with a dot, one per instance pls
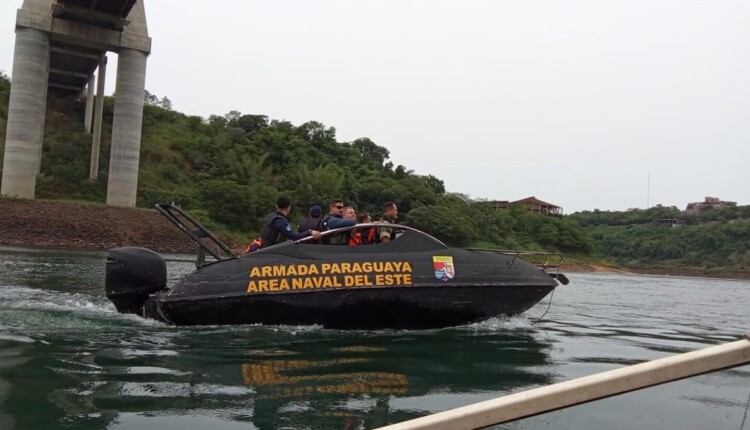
(413, 282)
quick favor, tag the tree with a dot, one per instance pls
(166, 103)
(150, 99)
(445, 223)
(250, 123)
(239, 207)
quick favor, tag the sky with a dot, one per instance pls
(585, 104)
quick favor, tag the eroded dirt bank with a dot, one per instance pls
(90, 226)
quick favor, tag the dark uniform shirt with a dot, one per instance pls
(277, 229)
(310, 223)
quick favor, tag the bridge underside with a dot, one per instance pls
(105, 13)
(71, 65)
(62, 43)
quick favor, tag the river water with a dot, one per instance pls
(68, 360)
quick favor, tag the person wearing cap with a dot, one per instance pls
(276, 228)
(313, 221)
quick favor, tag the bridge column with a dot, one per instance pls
(126, 128)
(89, 104)
(96, 137)
(26, 108)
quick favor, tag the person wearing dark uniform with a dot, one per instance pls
(276, 228)
(314, 221)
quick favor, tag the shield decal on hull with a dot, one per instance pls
(444, 269)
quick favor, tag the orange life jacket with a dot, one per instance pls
(253, 246)
(355, 238)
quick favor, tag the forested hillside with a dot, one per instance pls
(712, 242)
(229, 169)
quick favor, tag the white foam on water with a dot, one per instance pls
(292, 329)
(148, 353)
(151, 370)
(171, 420)
(16, 338)
(175, 389)
(15, 297)
(502, 323)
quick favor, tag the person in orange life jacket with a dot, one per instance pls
(314, 220)
(276, 228)
(390, 214)
(367, 235)
(355, 237)
(253, 246)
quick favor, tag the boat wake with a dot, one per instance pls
(22, 298)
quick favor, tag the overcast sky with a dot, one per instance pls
(575, 102)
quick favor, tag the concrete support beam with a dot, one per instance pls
(88, 116)
(74, 53)
(96, 138)
(126, 128)
(64, 87)
(69, 73)
(26, 109)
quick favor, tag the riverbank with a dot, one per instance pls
(87, 226)
(52, 223)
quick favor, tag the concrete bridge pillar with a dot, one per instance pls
(96, 138)
(122, 183)
(26, 108)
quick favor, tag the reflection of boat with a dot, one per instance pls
(415, 281)
(355, 378)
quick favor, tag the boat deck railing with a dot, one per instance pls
(207, 242)
(548, 262)
(544, 260)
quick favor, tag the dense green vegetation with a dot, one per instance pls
(701, 246)
(712, 241)
(648, 216)
(228, 171)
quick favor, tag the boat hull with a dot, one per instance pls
(373, 308)
(414, 282)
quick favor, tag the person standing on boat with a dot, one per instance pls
(355, 236)
(276, 228)
(333, 220)
(314, 220)
(390, 214)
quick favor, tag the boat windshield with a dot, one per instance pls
(406, 238)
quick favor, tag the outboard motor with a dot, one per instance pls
(133, 274)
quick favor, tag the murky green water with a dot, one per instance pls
(68, 360)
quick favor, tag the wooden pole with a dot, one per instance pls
(562, 395)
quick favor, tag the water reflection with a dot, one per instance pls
(267, 377)
(349, 380)
(69, 360)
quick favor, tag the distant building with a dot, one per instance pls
(531, 203)
(538, 206)
(498, 204)
(708, 203)
(668, 222)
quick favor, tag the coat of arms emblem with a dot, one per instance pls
(444, 269)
